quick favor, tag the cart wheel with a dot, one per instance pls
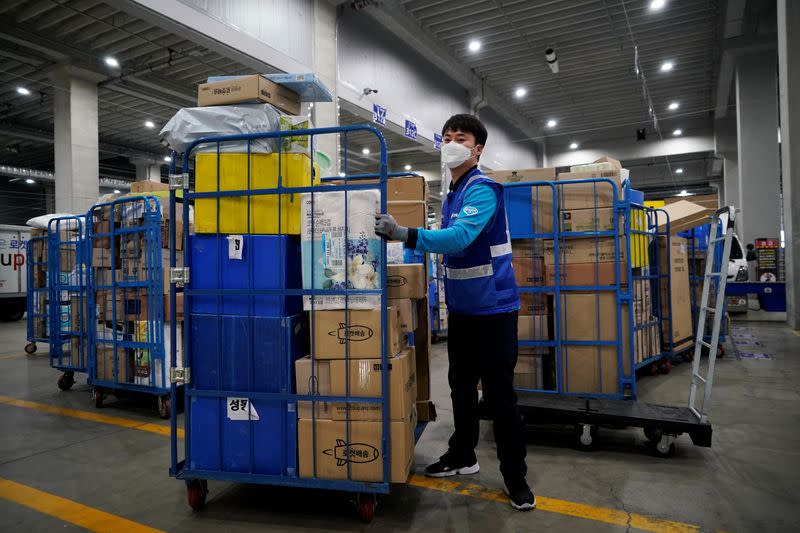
(30, 348)
(97, 397)
(66, 381)
(587, 436)
(666, 446)
(688, 356)
(666, 366)
(654, 368)
(720, 351)
(163, 406)
(652, 434)
(196, 492)
(366, 507)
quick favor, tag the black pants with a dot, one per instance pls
(485, 347)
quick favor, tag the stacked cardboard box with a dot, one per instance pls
(678, 292)
(348, 349)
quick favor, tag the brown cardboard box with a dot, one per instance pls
(590, 220)
(406, 281)
(521, 248)
(587, 195)
(319, 384)
(587, 274)
(645, 342)
(588, 250)
(528, 372)
(680, 296)
(105, 364)
(410, 214)
(366, 451)
(365, 381)
(532, 303)
(528, 174)
(245, 88)
(533, 328)
(149, 186)
(426, 411)
(408, 314)
(178, 307)
(592, 317)
(363, 332)
(67, 258)
(101, 258)
(107, 276)
(422, 349)
(406, 188)
(682, 215)
(528, 272)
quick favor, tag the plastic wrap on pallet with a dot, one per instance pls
(192, 123)
(341, 263)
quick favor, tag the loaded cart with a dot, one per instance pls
(295, 370)
(38, 289)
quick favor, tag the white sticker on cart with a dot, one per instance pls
(241, 409)
(235, 246)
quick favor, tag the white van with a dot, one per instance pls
(13, 271)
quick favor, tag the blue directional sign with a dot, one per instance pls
(437, 141)
(411, 130)
(379, 114)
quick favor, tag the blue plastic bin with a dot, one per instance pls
(209, 254)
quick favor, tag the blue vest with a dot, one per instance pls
(480, 279)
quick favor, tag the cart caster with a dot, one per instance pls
(196, 492)
(163, 406)
(688, 356)
(652, 434)
(97, 397)
(587, 436)
(665, 367)
(666, 446)
(654, 368)
(366, 507)
(30, 348)
(720, 351)
(66, 381)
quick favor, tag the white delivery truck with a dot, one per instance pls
(13, 271)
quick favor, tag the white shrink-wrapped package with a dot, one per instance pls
(332, 262)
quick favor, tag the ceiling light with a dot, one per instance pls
(520, 92)
(655, 5)
(474, 45)
(441, 193)
(168, 159)
(30, 181)
(341, 174)
(23, 91)
(365, 151)
(573, 146)
(678, 171)
(117, 191)
(684, 192)
(112, 61)
(666, 66)
(673, 106)
(678, 132)
(149, 124)
(551, 123)
(407, 167)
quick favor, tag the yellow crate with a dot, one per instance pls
(639, 243)
(295, 171)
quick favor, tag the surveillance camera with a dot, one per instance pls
(552, 60)
(367, 91)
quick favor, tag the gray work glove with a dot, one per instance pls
(388, 228)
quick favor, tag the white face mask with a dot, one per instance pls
(455, 154)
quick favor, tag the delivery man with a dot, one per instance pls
(483, 304)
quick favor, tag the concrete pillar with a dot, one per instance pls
(789, 69)
(77, 160)
(146, 169)
(757, 132)
(326, 114)
(727, 147)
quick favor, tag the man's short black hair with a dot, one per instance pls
(467, 124)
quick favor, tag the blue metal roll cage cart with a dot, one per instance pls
(37, 307)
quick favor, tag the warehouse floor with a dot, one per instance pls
(111, 475)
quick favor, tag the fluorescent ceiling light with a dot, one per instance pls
(678, 171)
(112, 61)
(23, 91)
(673, 106)
(678, 132)
(520, 92)
(149, 124)
(655, 5)
(30, 181)
(168, 159)
(117, 191)
(551, 123)
(573, 146)
(666, 66)
(684, 192)
(474, 45)
(365, 151)
(407, 167)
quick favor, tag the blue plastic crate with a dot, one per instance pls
(275, 264)
(636, 197)
(227, 349)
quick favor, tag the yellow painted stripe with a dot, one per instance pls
(796, 332)
(68, 510)
(10, 356)
(552, 505)
(88, 415)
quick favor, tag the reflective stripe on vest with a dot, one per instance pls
(480, 271)
(500, 249)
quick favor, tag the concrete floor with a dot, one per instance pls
(748, 481)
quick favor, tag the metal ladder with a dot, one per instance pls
(719, 278)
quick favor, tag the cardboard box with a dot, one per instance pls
(532, 303)
(243, 89)
(682, 215)
(406, 188)
(589, 250)
(318, 384)
(178, 307)
(426, 411)
(406, 281)
(533, 328)
(585, 274)
(529, 272)
(590, 220)
(645, 342)
(679, 293)
(101, 258)
(149, 186)
(365, 381)
(588, 195)
(105, 364)
(408, 314)
(330, 448)
(528, 372)
(527, 174)
(422, 349)
(362, 333)
(592, 317)
(522, 248)
(410, 214)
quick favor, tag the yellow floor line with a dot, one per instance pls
(552, 505)
(88, 415)
(10, 356)
(68, 510)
